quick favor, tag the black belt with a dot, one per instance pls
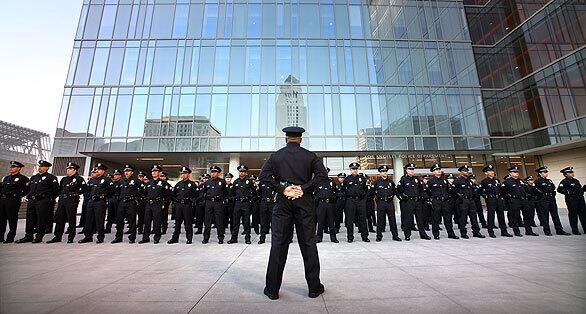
(268, 199)
(154, 200)
(39, 196)
(184, 201)
(214, 198)
(549, 194)
(492, 196)
(518, 197)
(97, 197)
(386, 198)
(69, 196)
(439, 198)
(467, 197)
(326, 200)
(5, 196)
(127, 199)
(355, 197)
(243, 199)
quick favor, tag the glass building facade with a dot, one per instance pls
(201, 81)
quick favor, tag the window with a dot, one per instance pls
(210, 20)
(206, 65)
(268, 65)
(108, 19)
(92, 23)
(78, 115)
(181, 19)
(162, 24)
(99, 66)
(355, 21)
(195, 18)
(114, 66)
(268, 20)
(341, 14)
(218, 113)
(137, 117)
(240, 20)
(327, 20)
(237, 64)
(122, 115)
(122, 21)
(309, 21)
(221, 65)
(318, 71)
(129, 66)
(82, 73)
(164, 65)
(348, 111)
(254, 20)
(252, 65)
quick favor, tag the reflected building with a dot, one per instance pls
(378, 78)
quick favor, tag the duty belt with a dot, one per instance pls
(549, 194)
(492, 196)
(268, 199)
(466, 197)
(154, 200)
(184, 201)
(242, 199)
(214, 198)
(69, 195)
(518, 197)
(97, 197)
(354, 197)
(10, 195)
(326, 200)
(127, 199)
(39, 196)
(385, 198)
(439, 198)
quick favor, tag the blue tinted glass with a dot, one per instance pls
(78, 115)
(122, 115)
(107, 24)
(252, 65)
(210, 20)
(162, 24)
(122, 21)
(92, 23)
(181, 20)
(327, 20)
(254, 21)
(137, 117)
(99, 66)
(221, 65)
(82, 73)
(164, 65)
(129, 66)
(309, 21)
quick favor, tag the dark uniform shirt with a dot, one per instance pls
(293, 164)
(157, 191)
(326, 190)
(72, 186)
(100, 187)
(130, 189)
(409, 187)
(463, 187)
(14, 186)
(515, 188)
(437, 188)
(185, 191)
(355, 186)
(570, 186)
(266, 193)
(384, 189)
(490, 188)
(243, 189)
(43, 185)
(545, 187)
(214, 188)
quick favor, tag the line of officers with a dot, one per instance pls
(143, 204)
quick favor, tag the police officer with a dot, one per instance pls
(532, 196)
(340, 200)
(515, 190)
(293, 172)
(167, 204)
(113, 201)
(130, 191)
(437, 189)
(465, 191)
(71, 187)
(228, 202)
(43, 189)
(384, 190)
(255, 205)
(490, 189)
(267, 201)
(156, 194)
(573, 191)
(140, 209)
(214, 190)
(184, 195)
(370, 210)
(546, 203)
(325, 196)
(100, 189)
(200, 206)
(355, 208)
(13, 188)
(477, 202)
(241, 192)
(426, 204)
(410, 192)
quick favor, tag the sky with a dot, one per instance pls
(36, 40)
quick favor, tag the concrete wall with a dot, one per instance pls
(558, 160)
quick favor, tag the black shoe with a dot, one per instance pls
(562, 233)
(576, 233)
(247, 241)
(378, 239)
(350, 240)
(128, 232)
(188, 241)
(173, 241)
(533, 234)
(414, 229)
(464, 236)
(198, 231)
(54, 240)
(407, 238)
(9, 240)
(221, 241)
(484, 226)
(261, 240)
(205, 241)
(425, 237)
(116, 240)
(232, 241)
(156, 241)
(507, 235)
(81, 232)
(365, 240)
(144, 241)
(453, 236)
(99, 241)
(85, 240)
(548, 234)
(335, 240)
(69, 240)
(478, 235)
(271, 296)
(436, 237)
(315, 294)
(108, 230)
(131, 241)
(371, 230)
(492, 235)
(396, 238)
(518, 234)
(25, 240)
(318, 240)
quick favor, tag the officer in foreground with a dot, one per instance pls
(437, 189)
(490, 189)
(293, 172)
(130, 193)
(184, 195)
(384, 189)
(100, 189)
(14, 186)
(573, 191)
(71, 187)
(410, 192)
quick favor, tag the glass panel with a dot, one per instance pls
(92, 23)
(221, 65)
(210, 20)
(309, 21)
(78, 115)
(99, 66)
(181, 20)
(129, 67)
(108, 19)
(162, 23)
(114, 66)
(122, 21)
(122, 115)
(82, 73)
(137, 117)
(164, 65)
